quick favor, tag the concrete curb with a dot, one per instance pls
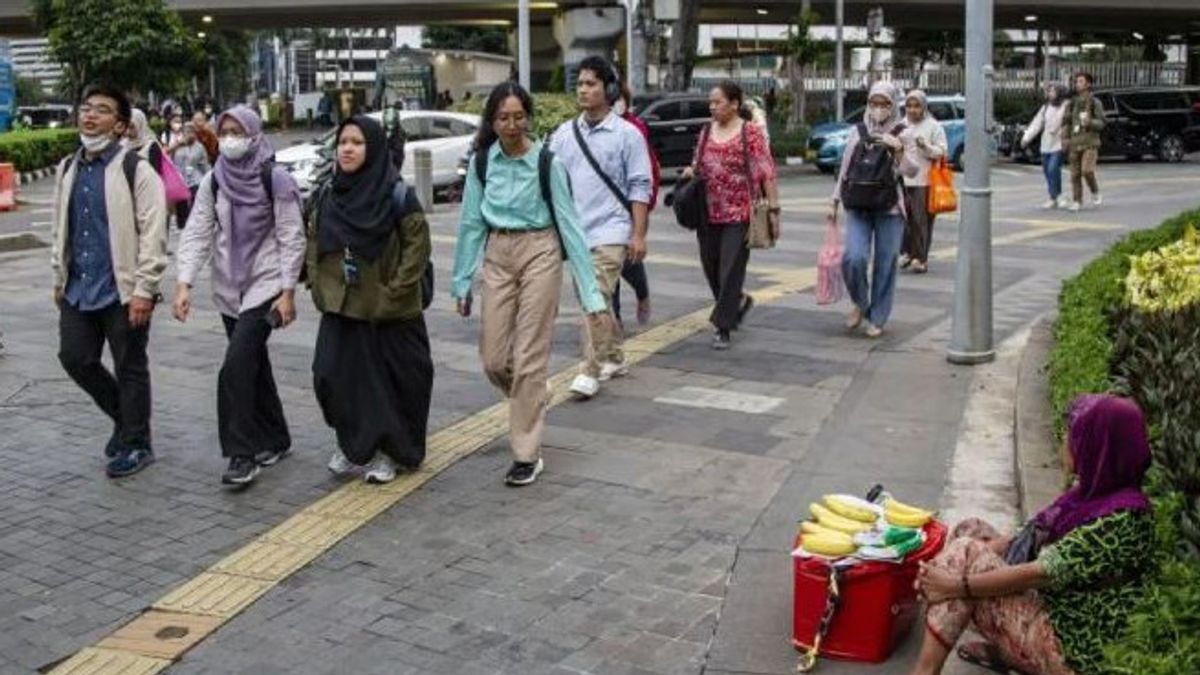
(1038, 466)
(30, 176)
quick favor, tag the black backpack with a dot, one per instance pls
(872, 182)
(545, 159)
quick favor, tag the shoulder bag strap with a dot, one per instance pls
(587, 153)
(700, 152)
(754, 187)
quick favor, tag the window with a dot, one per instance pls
(942, 111)
(696, 110)
(667, 111)
(458, 128)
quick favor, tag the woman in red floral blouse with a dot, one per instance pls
(722, 159)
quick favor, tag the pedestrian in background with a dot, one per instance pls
(191, 159)
(108, 257)
(610, 173)
(172, 136)
(924, 145)
(206, 136)
(634, 273)
(247, 221)
(368, 246)
(1048, 122)
(735, 159)
(1085, 120)
(523, 234)
(870, 186)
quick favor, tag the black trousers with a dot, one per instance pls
(724, 256)
(635, 275)
(249, 412)
(123, 395)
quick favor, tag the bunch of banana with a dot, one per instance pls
(828, 542)
(854, 508)
(902, 515)
(841, 523)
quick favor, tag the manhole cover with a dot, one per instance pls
(171, 632)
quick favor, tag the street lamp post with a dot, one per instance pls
(839, 62)
(523, 43)
(971, 340)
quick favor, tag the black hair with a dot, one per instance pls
(733, 91)
(602, 68)
(1091, 80)
(487, 133)
(124, 107)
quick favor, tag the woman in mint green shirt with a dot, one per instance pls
(519, 216)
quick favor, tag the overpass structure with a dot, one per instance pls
(1166, 17)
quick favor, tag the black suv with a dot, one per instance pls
(675, 123)
(1160, 121)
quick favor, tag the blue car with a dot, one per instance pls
(828, 140)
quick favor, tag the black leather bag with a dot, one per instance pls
(1026, 545)
(689, 200)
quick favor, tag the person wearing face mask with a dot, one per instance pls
(1049, 123)
(519, 218)
(109, 252)
(247, 221)
(172, 136)
(368, 245)
(191, 159)
(140, 139)
(634, 273)
(871, 187)
(924, 144)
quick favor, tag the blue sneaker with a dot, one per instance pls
(130, 462)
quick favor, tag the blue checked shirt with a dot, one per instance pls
(91, 284)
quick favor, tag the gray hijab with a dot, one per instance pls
(886, 90)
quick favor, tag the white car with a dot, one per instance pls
(447, 135)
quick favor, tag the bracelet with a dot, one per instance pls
(966, 587)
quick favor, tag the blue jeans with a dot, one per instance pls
(1052, 164)
(886, 230)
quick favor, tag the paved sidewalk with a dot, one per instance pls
(657, 540)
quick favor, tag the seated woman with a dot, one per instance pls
(1052, 614)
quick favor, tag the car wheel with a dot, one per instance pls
(825, 169)
(1171, 149)
(957, 159)
(1133, 158)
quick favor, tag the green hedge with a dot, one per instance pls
(35, 149)
(549, 111)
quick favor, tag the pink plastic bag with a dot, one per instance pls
(177, 190)
(829, 266)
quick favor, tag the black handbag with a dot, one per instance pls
(1025, 545)
(689, 200)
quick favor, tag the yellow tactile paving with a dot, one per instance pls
(161, 635)
(95, 661)
(237, 581)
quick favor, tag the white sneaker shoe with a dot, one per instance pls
(339, 464)
(1052, 204)
(1097, 201)
(610, 370)
(1063, 202)
(585, 386)
(1074, 207)
(382, 470)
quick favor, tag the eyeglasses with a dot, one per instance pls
(102, 110)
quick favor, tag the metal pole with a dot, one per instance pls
(423, 177)
(971, 339)
(523, 43)
(839, 62)
(629, 42)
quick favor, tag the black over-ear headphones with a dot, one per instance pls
(612, 89)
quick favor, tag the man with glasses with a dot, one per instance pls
(110, 250)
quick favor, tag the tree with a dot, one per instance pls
(921, 46)
(801, 50)
(681, 49)
(491, 40)
(29, 91)
(138, 45)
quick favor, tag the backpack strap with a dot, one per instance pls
(608, 182)
(481, 167)
(156, 157)
(129, 165)
(545, 166)
(265, 175)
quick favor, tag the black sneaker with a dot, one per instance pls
(241, 471)
(129, 462)
(523, 473)
(114, 447)
(270, 457)
(747, 305)
(722, 341)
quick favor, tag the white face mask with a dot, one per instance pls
(176, 126)
(95, 144)
(619, 108)
(881, 115)
(233, 147)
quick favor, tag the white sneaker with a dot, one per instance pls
(585, 386)
(382, 470)
(1074, 207)
(1052, 204)
(339, 464)
(1097, 201)
(854, 319)
(1063, 202)
(610, 370)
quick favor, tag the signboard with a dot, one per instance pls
(407, 77)
(8, 94)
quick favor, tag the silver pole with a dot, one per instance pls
(629, 43)
(971, 339)
(839, 62)
(523, 43)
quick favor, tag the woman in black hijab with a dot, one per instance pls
(368, 246)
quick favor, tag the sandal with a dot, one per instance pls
(987, 655)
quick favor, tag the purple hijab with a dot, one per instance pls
(241, 183)
(1111, 452)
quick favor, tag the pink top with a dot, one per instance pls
(723, 165)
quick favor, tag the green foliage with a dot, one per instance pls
(1163, 637)
(786, 144)
(138, 45)
(550, 111)
(33, 149)
(489, 39)
(29, 91)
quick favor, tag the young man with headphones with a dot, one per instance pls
(609, 165)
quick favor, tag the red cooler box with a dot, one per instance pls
(877, 605)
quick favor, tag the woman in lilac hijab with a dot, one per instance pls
(246, 219)
(1048, 600)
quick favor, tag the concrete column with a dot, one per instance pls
(523, 40)
(587, 31)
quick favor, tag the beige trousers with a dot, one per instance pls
(602, 334)
(522, 280)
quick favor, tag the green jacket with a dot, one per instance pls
(389, 288)
(1076, 134)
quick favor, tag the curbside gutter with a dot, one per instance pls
(1038, 466)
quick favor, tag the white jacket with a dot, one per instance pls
(1049, 123)
(922, 159)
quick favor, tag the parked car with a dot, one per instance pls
(1163, 122)
(447, 135)
(49, 116)
(827, 142)
(675, 123)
